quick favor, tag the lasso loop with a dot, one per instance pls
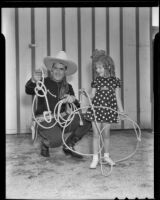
(41, 91)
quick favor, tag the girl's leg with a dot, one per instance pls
(106, 136)
(106, 139)
(95, 145)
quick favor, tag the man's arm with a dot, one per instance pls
(29, 87)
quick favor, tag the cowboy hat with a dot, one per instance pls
(61, 58)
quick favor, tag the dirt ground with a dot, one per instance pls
(30, 176)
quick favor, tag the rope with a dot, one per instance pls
(47, 116)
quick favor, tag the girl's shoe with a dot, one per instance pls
(109, 160)
(94, 162)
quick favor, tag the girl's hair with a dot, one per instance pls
(106, 60)
(64, 86)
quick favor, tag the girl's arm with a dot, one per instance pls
(119, 102)
(93, 92)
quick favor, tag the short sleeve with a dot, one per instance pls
(118, 83)
(94, 84)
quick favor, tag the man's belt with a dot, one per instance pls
(40, 118)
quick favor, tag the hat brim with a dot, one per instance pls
(71, 66)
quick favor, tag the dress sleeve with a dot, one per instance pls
(118, 83)
(94, 83)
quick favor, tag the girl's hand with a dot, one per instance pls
(83, 92)
(122, 115)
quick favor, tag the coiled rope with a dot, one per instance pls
(47, 116)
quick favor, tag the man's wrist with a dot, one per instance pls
(73, 97)
(33, 81)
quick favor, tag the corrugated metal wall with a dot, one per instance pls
(125, 33)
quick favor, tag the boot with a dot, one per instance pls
(71, 142)
(44, 150)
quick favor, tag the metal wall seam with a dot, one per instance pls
(107, 31)
(17, 68)
(137, 66)
(63, 30)
(121, 60)
(79, 47)
(33, 55)
(93, 37)
(48, 33)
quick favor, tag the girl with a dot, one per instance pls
(105, 92)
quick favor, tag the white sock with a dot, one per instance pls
(95, 156)
(106, 154)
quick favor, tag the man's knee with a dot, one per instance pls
(52, 136)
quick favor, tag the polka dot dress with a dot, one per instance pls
(105, 96)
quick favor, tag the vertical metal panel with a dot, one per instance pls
(93, 29)
(129, 64)
(121, 59)
(55, 30)
(114, 30)
(8, 30)
(144, 56)
(17, 68)
(100, 28)
(24, 68)
(86, 45)
(137, 66)
(33, 54)
(99, 36)
(71, 43)
(114, 33)
(63, 30)
(48, 33)
(40, 36)
(107, 31)
(79, 47)
(93, 36)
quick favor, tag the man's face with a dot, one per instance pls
(58, 71)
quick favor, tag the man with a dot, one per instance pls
(57, 89)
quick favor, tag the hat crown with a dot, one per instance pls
(62, 58)
(62, 55)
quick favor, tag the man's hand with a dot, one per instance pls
(37, 76)
(68, 98)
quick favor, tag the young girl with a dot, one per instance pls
(105, 92)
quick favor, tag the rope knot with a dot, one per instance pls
(40, 87)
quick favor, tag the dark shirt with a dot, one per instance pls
(53, 95)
